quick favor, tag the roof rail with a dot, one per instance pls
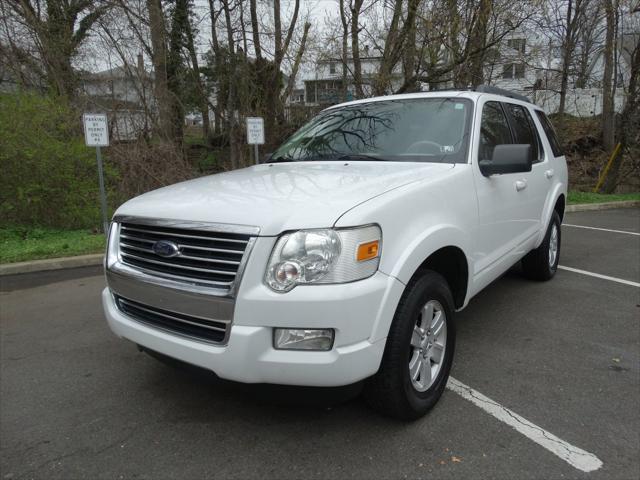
(501, 91)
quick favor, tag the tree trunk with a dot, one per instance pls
(629, 133)
(566, 57)
(215, 45)
(479, 41)
(255, 31)
(159, 60)
(355, 47)
(175, 68)
(202, 94)
(296, 63)
(409, 55)
(345, 50)
(235, 150)
(608, 115)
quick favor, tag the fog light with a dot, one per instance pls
(303, 339)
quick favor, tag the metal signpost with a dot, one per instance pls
(96, 134)
(255, 134)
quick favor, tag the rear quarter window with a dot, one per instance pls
(550, 133)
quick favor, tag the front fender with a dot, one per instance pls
(423, 246)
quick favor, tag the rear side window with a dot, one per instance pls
(524, 129)
(494, 130)
(550, 132)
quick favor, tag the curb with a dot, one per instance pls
(51, 264)
(589, 207)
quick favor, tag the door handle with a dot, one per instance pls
(521, 185)
(549, 174)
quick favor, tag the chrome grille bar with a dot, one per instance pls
(204, 257)
(197, 328)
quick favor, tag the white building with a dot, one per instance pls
(323, 85)
(526, 64)
(126, 94)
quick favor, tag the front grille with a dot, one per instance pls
(178, 323)
(205, 257)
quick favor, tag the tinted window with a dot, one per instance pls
(550, 132)
(416, 130)
(524, 128)
(494, 130)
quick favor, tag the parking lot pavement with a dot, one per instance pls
(601, 251)
(565, 355)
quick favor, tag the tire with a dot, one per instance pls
(391, 391)
(541, 264)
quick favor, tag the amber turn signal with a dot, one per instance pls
(367, 251)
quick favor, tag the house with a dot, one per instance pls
(125, 93)
(324, 85)
(527, 64)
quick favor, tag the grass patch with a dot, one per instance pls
(19, 244)
(589, 197)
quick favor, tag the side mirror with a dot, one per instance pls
(266, 157)
(508, 158)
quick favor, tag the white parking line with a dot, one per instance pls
(601, 229)
(598, 275)
(574, 456)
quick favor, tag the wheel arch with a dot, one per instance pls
(560, 206)
(443, 251)
(450, 262)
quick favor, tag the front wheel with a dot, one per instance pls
(419, 351)
(542, 263)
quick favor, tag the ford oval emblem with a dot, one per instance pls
(165, 248)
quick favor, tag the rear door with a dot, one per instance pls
(537, 184)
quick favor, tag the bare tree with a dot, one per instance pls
(58, 30)
(574, 19)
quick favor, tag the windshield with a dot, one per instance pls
(413, 130)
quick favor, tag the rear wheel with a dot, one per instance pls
(542, 263)
(419, 351)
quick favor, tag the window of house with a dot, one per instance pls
(513, 70)
(524, 129)
(518, 70)
(332, 68)
(494, 130)
(518, 44)
(507, 70)
(311, 92)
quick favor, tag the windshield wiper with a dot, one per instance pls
(362, 156)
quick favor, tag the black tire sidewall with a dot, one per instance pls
(555, 220)
(431, 286)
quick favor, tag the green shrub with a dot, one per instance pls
(49, 177)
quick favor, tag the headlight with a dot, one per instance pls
(324, 256)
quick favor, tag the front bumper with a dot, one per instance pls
(359, 312)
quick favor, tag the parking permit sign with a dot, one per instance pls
(96, 132)
(255, 131)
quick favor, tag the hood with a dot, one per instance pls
(280, 196)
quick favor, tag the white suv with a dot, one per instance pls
(346, 255)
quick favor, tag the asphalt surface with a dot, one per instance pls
(76, 402)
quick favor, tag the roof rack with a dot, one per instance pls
(501, 91)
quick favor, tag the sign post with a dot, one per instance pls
(96, 134)
(255, 134)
